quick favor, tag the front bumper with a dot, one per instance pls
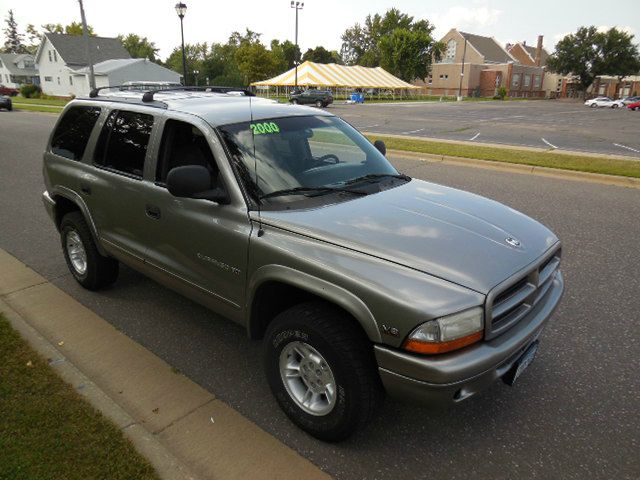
(49, 205)
(456, 376)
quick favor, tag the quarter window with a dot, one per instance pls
(123, 142)
(515, 80)
(73, 131)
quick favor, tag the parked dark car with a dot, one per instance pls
(319, 98)
(9, 91)
(5, 102)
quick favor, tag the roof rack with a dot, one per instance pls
(148, 96)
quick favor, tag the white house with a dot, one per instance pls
(119, 71)
(63, 66)
(17, 69)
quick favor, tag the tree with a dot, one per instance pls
(588, 54)
(53, 28)
(286, 53)
(321, 55)
(75, 28)
(396, 41)
(139, 47)
(407, 54)
(255, 62)
(620, 54)
(34, 37)
(13, 38)
(195, 55)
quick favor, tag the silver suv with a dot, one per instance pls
(285, 219)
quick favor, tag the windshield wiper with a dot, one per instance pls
(310, 191)
(372, 177)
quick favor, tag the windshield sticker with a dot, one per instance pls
(264, 128)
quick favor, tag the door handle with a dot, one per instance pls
(153, 212)
(85, 188)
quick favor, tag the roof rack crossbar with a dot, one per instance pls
(148, 96)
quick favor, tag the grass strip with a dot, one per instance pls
(37, 108)
(60, 102)
(48, 431)
(550, 159)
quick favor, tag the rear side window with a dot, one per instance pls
(72, 134)
(123, 142)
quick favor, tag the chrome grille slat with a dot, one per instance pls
(511, 301)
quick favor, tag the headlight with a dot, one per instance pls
(447, 333)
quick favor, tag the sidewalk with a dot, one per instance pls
(183, 430)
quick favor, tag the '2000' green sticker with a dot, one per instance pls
(264, 127)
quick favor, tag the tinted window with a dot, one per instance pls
(123, 142)
(71, 136)
(184, 144)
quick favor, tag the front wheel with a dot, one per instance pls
(322, 370)
(319, 103)
(90, 269)
(295, 101)
(593, 105)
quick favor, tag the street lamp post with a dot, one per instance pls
(464, 54)
(195, 76)
(298, 6)
(85, 34)
(181, 9)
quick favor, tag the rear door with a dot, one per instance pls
(114, 191)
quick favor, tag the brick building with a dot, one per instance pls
(487, 66)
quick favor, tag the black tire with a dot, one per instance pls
(295, 101)
(349, 355)
(100, 271)
(9, 108)
(319, 104)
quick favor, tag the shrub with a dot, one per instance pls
(501, 93)
(30, 90)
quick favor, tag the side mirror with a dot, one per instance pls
(382, 148)
(194, 181)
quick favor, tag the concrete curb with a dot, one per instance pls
(164, 462)
(629, 182)
(181, 428)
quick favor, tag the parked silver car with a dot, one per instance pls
(360, 280)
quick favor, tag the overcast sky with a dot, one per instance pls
(323, 21)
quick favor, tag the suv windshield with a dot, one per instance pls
(298, 157)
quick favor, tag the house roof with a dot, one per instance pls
(489, 48)
(72, 48)
(532, 53)
(108, 66)
(10, 60)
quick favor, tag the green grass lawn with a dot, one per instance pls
(48, 431)
(581, 163)
(52, 105)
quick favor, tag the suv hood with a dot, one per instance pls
(441, 231)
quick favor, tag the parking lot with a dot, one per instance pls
(572, 415)
(552, 124)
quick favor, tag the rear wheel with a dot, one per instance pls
(295, 101)
(319, 103)
(593, 105)
(322, 370)
(91, 269)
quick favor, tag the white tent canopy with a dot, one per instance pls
(334, 75)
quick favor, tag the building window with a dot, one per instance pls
(58, 80)
(536, 81)
(527, 80)
(7, 77)
(515, 80)
(70, 80)
(450, 54)
(55, 56)
(430, 79)
(48, 79)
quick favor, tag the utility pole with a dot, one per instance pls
(464, 54)
(85, 34)
(297, 6)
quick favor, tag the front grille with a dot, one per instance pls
(510, 301)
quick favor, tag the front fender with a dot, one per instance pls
(321, 288)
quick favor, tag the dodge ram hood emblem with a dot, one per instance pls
(514, 242)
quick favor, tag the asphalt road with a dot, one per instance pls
(573, 414)
(567, 125)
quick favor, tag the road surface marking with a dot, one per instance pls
(474, 137)
(628, 148)
(549, 143)
(413, 131)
